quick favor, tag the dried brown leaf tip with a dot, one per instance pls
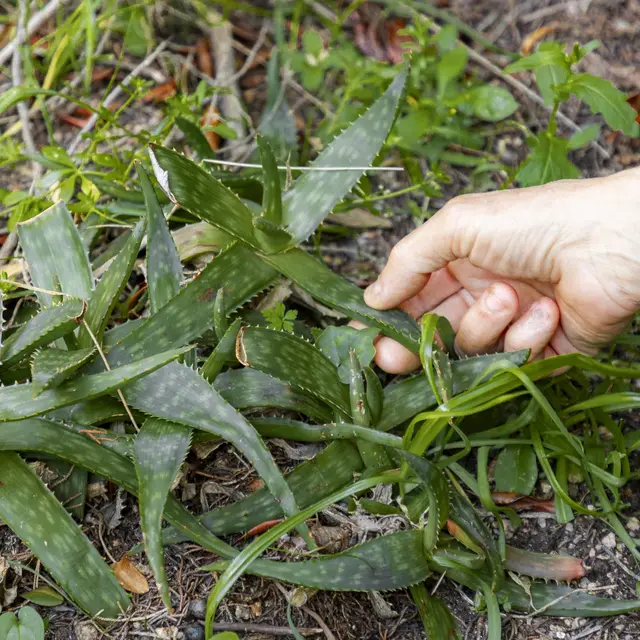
(241, 353)
(520, 502)
(129, 576)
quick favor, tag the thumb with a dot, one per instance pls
(449, 235)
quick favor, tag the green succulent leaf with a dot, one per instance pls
(294, 361)
(547, 162)
(337, 342)
(315, 193)
(224, 352)
(41, 330)
(18, 402)
(438, 621)
(516, 469)
(164, 270)
(161, 448)
(330, 289)
(272, 198)
(51, 367)
(250, 389)
(44, 239)
(34, 514)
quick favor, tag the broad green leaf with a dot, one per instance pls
(337, 342)
(34, 515)
(336, 292)
(57, 260)
(548, 77)
(51, 367)
(404, 400)
(438, 621)
(328, 472)
(584, 136)
(195, 139)
(164, 270)
(516, 469)
(27, 626)
(250, 389)
(602, 97)
(161, 447)
(393, 561)
(550, 53)
(547, 162)
(44, 596)
(492, 103)
(272, 198)
(190, 313)
(449, 67)
(316, 192)
(178, 394)
(41, 330)
(201, 194)
(108, 290)
(18, 402)
(294, 361)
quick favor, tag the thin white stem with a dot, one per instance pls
(29, 287)
(229, 163)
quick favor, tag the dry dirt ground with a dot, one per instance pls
(259, 607)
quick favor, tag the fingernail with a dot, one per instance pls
(496, 300)
(374, 290)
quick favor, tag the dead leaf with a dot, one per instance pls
(634, 101)
(520, 502)
(129, 576)
(533, 38)
(395, 41)
(204, 62)
(262, 527)
(255, 485)
(211, 118)
(331, 539)
(112, 512)
(360, 219)
(161, 92)
(72, 120)
(206, 448)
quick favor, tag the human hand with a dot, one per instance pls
(554, 269)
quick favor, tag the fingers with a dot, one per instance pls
(487, 319)
(534, 329)
(422, 252)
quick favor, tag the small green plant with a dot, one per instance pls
(27, 626)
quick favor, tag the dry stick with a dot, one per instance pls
(262, 628)
(115, 93)
(36, 20)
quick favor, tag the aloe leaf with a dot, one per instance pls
(315, 193)
(200, 238)
(328, 472)
(294, 361)
(250, 388)
(161, 448)
(336, 292)
(190, 313)
(389, 562)
(34, 514)
(272, 199)
(45, 239)
(201, 194)
(44, 328)
(224, 352)
(404, 400)
(108, 290)
(51, 367)
(91, 412)
(178, 394)
(544, 565)
(438, 621)
(164, 271)
(337, 342)
(17, 402)
(375, 394)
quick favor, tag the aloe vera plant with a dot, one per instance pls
(77, 376)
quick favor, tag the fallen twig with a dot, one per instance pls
(262, 628)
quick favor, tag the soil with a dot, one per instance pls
(255, 602)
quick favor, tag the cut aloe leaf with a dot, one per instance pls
(33, 513)
(201, 194)
(108, 290)
(294, 361)
(394, 561)
(17, 402)
(250, 389)
(336, 292)
(41, 330)
(51, 367)
(164, 270)
(161, 448)
(404, 400)
(328, 472)
(44, 239)
(190, 313)
(316, 192)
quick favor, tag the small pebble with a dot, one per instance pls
(198, 609)
(193, 632)
(609, 540)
